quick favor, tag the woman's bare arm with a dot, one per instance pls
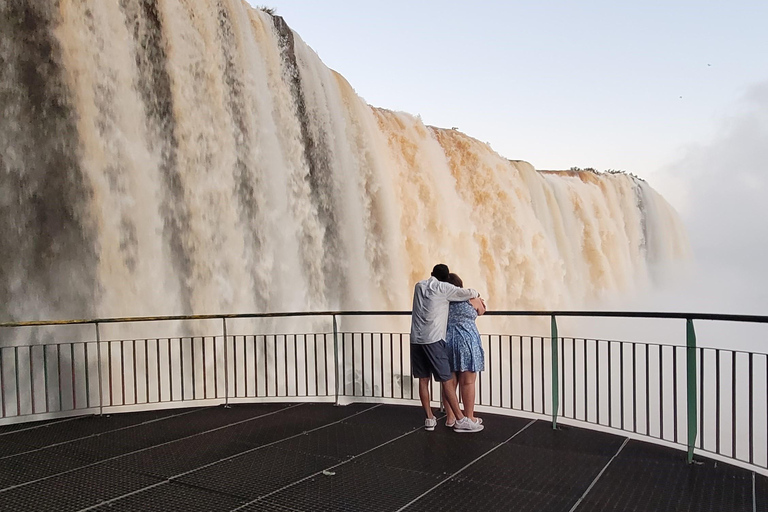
(479, 305)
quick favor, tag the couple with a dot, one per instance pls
(431, 327)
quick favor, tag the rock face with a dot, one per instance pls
(165, 157)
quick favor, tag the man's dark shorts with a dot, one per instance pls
(430, 359)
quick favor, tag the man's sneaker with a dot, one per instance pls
(430, 424)
(466, 425)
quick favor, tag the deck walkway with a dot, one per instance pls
(289, 457)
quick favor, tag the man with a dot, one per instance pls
(429, 319)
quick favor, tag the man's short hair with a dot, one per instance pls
(440, 272)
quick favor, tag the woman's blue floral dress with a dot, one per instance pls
(462, 340)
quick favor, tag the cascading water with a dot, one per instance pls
(196, 156)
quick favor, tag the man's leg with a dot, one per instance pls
(424, 396)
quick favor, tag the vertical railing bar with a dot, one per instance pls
(59, 377)
(717, 399)
(205, 367)
(354, 363)
(501, 375)
(597, 381)
(255, 367)
(266, 366)
(555, 372)
(122, 367)
(45, 374)
(194, 367)
(691, 354)
(274, 354)
(674, 390)
(181, 365)
(479, 397)
(573, 379)
(344, 365)
(295, 364)
(31, 356)
(661, 392)
(586, 384)
(17, 370)
(543, 389)
(533, 393)
(373, 353)
(306, 368)
(226, 363)
(87, 380)
(647, 391)
(701, 397)
(215, 368)
(122, 370)
(402, 376)
(234, 365)
(285, 362)
(146, 367)
(98, 368)
(381, 361)
(610, 383)
(336, 357)
(733, 404)
(170, 371)
(245, 366)
(2, 383)
(751, 410)
(621, 384)
(317, 371)
(135, 375)
(391, 366)
(490, 370)
(159, 375)
(373, 370)
(325, 358)
(277, 380)
(522, 378)
(634, 387)
(109, 373)
(511, 377)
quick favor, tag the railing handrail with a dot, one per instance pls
(572, 313)
(165, 374)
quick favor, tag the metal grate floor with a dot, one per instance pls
(317, 457)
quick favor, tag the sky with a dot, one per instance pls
(675, 92)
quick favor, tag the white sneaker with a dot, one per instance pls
(430, 424)
(466, 425)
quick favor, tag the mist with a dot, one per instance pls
(719, 189)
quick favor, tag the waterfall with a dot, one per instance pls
(195, 156)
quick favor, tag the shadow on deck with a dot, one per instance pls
(290, 457)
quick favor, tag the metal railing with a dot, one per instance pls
(711, 400)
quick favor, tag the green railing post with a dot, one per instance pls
(555, 375)
(692, 399)
(336, 358)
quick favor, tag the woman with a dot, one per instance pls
(465, 351)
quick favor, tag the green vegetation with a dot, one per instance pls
(268, 10)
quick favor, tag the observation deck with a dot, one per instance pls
(366, 457)
(226, 416)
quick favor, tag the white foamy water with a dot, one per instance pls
(171, 157)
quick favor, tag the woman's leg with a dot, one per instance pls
(467, 386)
(450, 418)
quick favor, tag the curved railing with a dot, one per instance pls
(703, 399)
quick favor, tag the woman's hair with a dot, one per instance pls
(455, 280)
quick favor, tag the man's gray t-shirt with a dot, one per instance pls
(431, 299)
